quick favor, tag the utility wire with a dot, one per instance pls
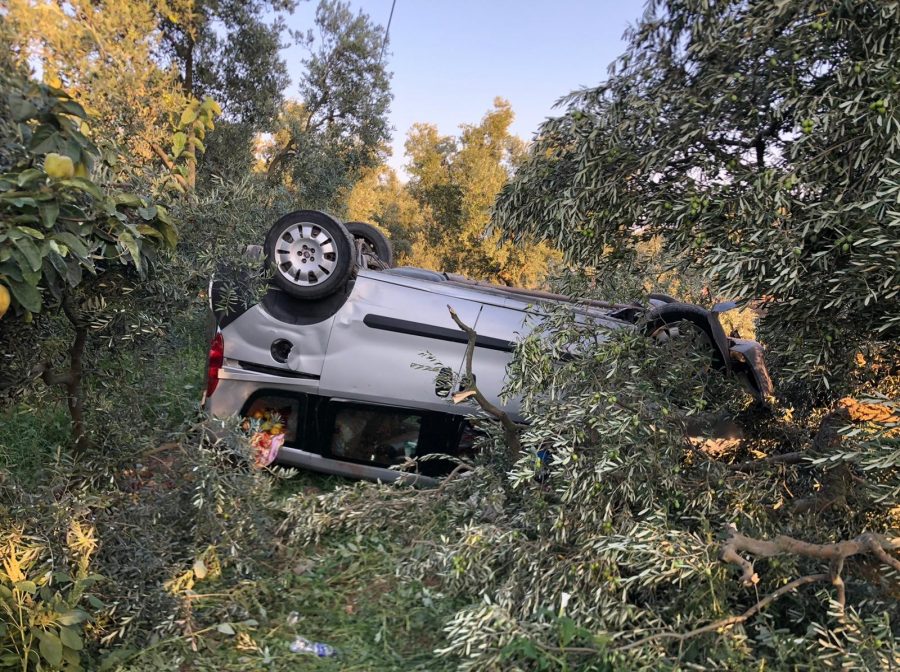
(387, 30)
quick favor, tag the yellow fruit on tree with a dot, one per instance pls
(4, 300)
(58, 166)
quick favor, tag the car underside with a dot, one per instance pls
(355, 370)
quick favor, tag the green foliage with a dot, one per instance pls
(187, 140)
(455, 182)
(55, 221)
(224, 49)
(42, 605)
(584, 560)
(759, 139)
(323, 145)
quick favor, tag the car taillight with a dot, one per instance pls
(216, 358)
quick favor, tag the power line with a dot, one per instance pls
(387, 30)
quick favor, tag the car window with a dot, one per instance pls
(379, 436)
(280, 412)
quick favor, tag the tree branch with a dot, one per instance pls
(868, 542)
(511, 430)
(160, 152)
(754, 465)
(731, 620)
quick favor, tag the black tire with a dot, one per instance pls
(374, 239)
(310, 253)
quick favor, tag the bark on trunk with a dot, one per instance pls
(72, 382)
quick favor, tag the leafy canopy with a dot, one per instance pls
(56, 222)
(455, 181)
(760, 140)
(324, 144)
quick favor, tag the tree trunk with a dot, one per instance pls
(72, 384)
(187, 83)
(190, 156)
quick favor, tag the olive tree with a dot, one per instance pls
(649, 515)
(760, 141)
(323, 145)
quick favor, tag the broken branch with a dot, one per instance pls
(510, 429)
(167, 162)
(731, 621)
(836, 553)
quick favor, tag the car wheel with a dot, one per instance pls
(310, 253)
(673, 319)
(374, 240)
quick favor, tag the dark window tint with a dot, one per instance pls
(378, 436)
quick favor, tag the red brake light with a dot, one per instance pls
(216, 358)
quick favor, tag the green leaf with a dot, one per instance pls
(20, 108)
(73, 617)
(51, 648)
(71, 638)
(11, 269)
(162, 214)
(178, 142)
(30, 251)
(168, 231)
(49, 213)
(27, 296)
(188, 116)
(29, 175)
(21, 201)
(72, 241)
(199, 145)
(130, 244)
(74, 272)
(73, 108)
(34, 233)
(84, 185)
(225, 628)
(128, 200)
(57, 261)
(46, 140)
(26, 587)
(147, 213)
(149, 231)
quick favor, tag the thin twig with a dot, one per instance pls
(731, 620)
(457, 470)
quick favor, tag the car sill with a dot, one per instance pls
(294, 457)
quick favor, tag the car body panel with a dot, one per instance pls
(251, 335)
(376, 363)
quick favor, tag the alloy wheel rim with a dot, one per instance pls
(306, 254)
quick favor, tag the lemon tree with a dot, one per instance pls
(56, 223)
(61, 228)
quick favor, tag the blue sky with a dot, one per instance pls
(450, 58)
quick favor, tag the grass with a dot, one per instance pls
(33, 436)
(345, 595)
